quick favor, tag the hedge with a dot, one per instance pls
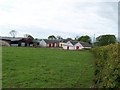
(107, 66)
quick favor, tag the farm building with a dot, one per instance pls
(49, 43)
(4, 43)
(75, 45)
(19, 41)
(85, 45)
(36, 42)
(64, 41)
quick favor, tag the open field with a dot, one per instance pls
(46, 68)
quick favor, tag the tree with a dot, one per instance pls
(105, 40)
(85, 38)
(69, 39)
(13, 33)
(76, 38)
(29, 36)
(26, 35)
(52, 37)
(28, 39)
(59, 37)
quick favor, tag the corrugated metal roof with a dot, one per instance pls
(84, 44)
(11, 38)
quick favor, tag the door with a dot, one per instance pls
(67, 47)
(53, 44)
(77, 47)
(49, 45)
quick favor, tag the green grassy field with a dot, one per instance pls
(46, 68)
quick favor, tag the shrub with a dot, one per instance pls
(107, 65)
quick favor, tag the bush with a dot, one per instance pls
(107, 65)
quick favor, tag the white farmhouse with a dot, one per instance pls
(75, 45)
(49, 43)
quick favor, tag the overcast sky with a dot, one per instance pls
(67, 18)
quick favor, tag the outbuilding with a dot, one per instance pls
(75, 45)
(49, 43)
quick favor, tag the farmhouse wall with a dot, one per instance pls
(78, 44)
(43, 43)
(69, 43)
(22, 44)
(14, 44)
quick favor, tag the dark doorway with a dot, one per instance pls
(49, 45)
(37, 44)
(53, 45)
(67, 47)
(19, 43)
(25, 44)
(58, 45)
(77, 47)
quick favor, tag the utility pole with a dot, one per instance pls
(94, 40)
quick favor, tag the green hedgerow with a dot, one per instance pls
(107, 66)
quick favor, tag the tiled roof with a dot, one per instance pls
(66, 40)
(85, 44)
(51, 41)
(74, 42)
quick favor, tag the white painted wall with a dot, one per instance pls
(65, 45)
(23, 44)
(61, 43)
(47, 45)
(69, 43)
(31, 45)
(71, 47)
(55, 45)
(14, 44)
(78, 44)
(42, 43)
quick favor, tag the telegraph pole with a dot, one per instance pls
(94, 39)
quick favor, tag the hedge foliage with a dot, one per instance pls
(107, 66)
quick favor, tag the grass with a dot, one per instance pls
(46, 68)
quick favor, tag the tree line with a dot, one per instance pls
(101, 40)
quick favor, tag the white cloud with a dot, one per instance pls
(65, 17)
